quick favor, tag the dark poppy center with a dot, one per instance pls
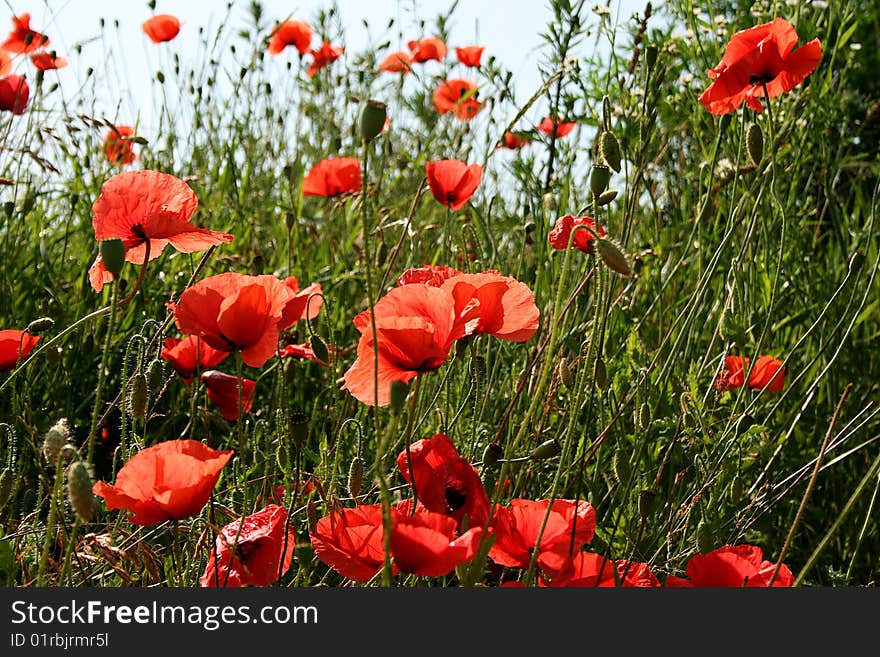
(232, 345)
(139, 231)
(760, 79)
(456, 496)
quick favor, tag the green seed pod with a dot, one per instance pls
(606, 197)
(613, 255)
(41, 324)
(318, 346)
(546, 450)
(7, 486)
(755, 143)
(600, 176)
(299, 429)
(138, 395)
(371, 119)
(647, 503)
(609, 150)
(399, 391)
(492, 454)
(705, 538)
(651, 53)
(155, 375)
(79, 490)
(55, 440)
(356, 476)
(620, 466)
(113, 255)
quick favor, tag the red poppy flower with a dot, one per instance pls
(332, 177)
(416, 328)
(14, 94)
(426, 49)
(568, 528)
(351, 541)
(46, 61)
(169, 481)
(191, 355)
(767, 372)
(223, 391)
(431, 275)
(470, 55)
(235, 311)
(445, 481)
(15, 346)
(426, 544)
(512, 140)
(118, 147)
(757, 57)
(23, 39)
(732, 565)
(458, 97)
(396, 62)
(302, 351)
(587, 569)
(291, 33)
(551, 124)
(305, 303)
(561, 233)
(99, 275)
(253, 559)
(149, 206)
(491, 303)
(324, 56)
(453, 182)
(162, 27)
(5, 63)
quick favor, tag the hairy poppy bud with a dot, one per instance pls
(155, 375)
(299, 428)
(566, 375)
(319, 347)
(137, 395)
(371, 119)
(399, 390)
(609, 149)
(755, 143)
(355, 476)
(7, 486)
(492, 454)
(160, 76)
(651, 53)
(600, 176)
(644, 416)
(549, 202)
(606, 197)
(705, 538)
(546, 450)
(40, 324)
(736, 490)
(620, 466)
(647, 502)
(600, 374)
(79, 490)
(743, 423)
(613, 255)
(54, 440)
(113, 255)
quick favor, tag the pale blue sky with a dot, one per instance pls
(509, 30)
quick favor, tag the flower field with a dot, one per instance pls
(383, 317)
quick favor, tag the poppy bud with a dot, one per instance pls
(644, 416)
(155, 375)
(856, 262)
(736, 489)
(381, 254)
(755, 143)
(546, 450)
(137, 395)
(54, 440)
(606, 197)
(609, 150)
(651, 53)
(705, 538)
(647, 502)
(549, 201)
(743, 424)
(371, 119)
(613, 255)
(160, 76)
(600, 176)
(113, 255)
(565, 373)
(399, 390)
(40, 324)
(355, 476)
(79, 490)
(312, 516)
(299, 428)
(7, 485)
(620, 466)
(319, 347)
(492, 454)
(600, 374)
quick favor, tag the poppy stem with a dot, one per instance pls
(141, 274)
(102, 375)
(409, 426)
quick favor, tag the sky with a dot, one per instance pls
(509, 30)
